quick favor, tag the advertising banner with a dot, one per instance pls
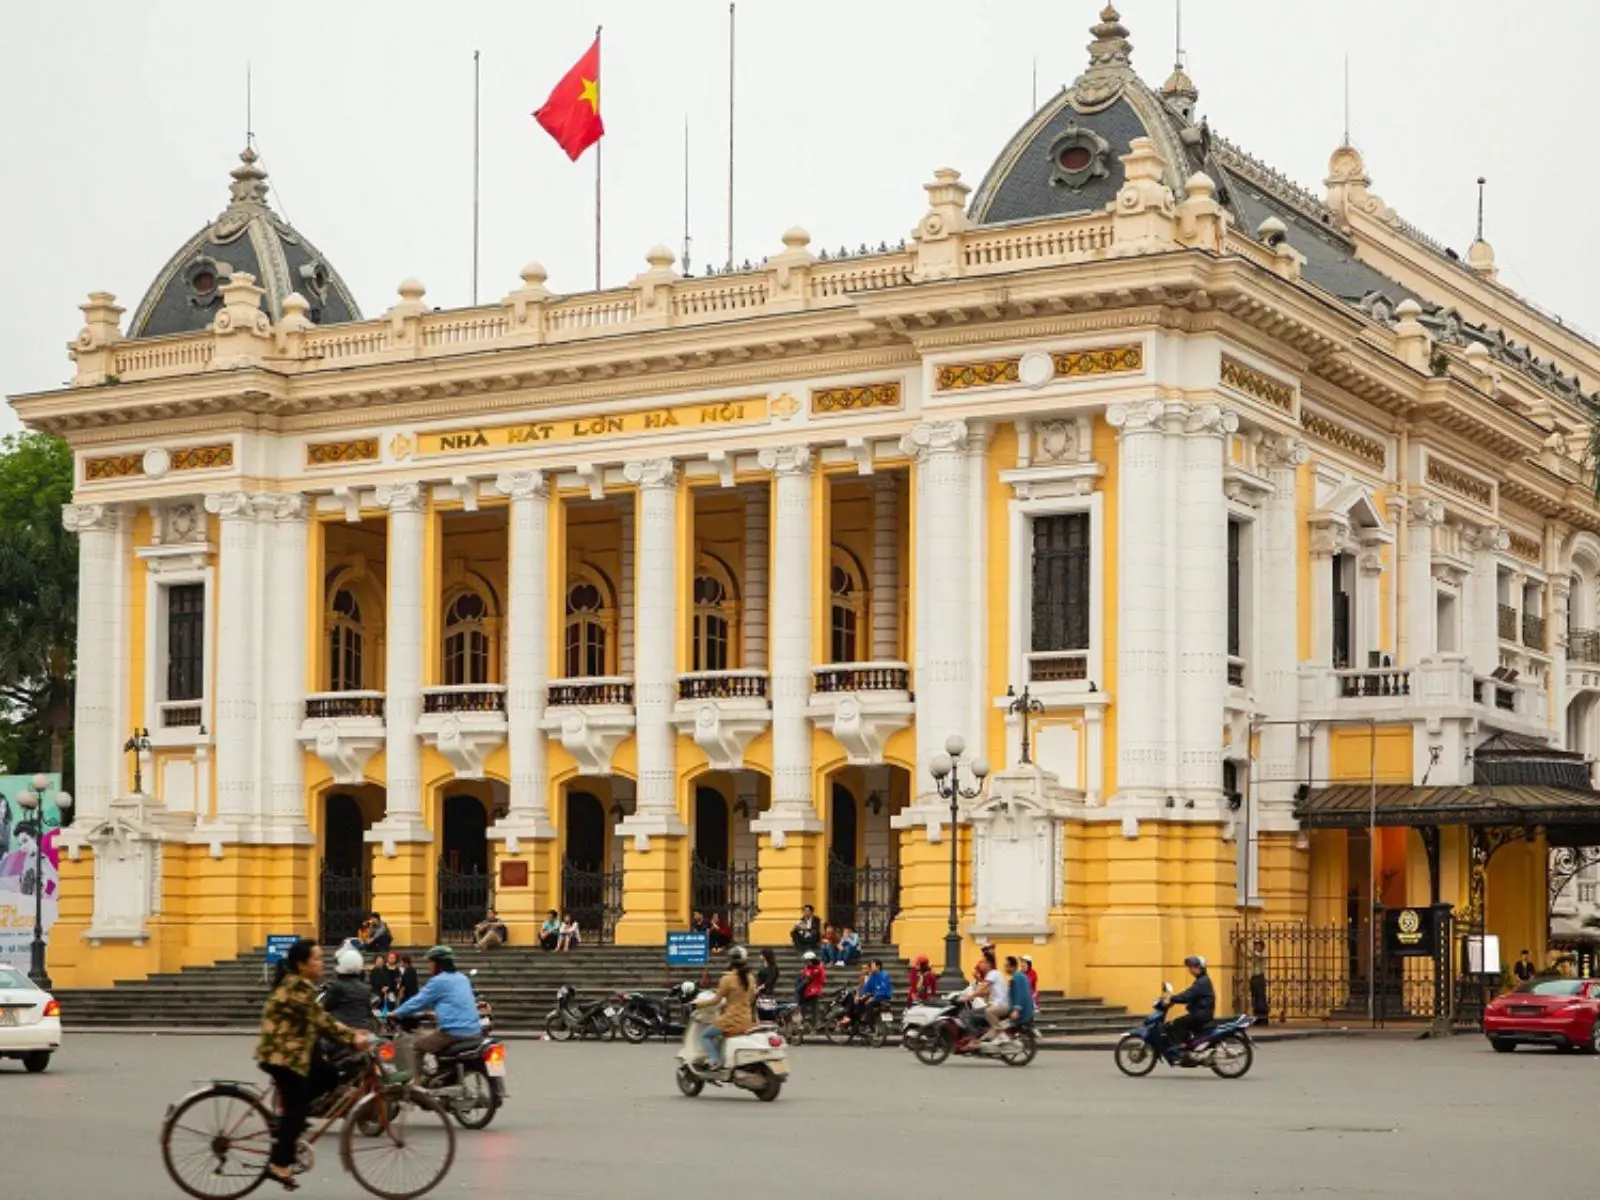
(28, 861)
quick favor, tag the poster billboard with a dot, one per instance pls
(27, 861)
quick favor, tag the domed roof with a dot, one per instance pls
(248, 237)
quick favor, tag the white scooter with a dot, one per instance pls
(757, 1061)
(922, 1015)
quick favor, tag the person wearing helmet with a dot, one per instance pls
(348, 998)
(924, 983)
(736, 994)
(810, 986)
(448, 993)
(1200, 998)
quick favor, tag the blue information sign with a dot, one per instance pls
(688, 949)
(278, 945)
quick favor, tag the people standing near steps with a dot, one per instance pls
(1523, 969)
(291, 1023)
(382, 981)
(409, 986)
(1258, 983)
(767, 974)
(807, 931)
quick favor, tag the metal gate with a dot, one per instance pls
(865, 898)
(463, 899)
(594, 898)
(732, 891)
(344, 901)
(1291, 970)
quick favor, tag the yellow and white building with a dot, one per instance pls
(667, 596)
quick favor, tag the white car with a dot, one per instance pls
(30, 1020)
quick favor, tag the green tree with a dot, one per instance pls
(38, 602)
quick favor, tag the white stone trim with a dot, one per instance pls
(1020, 591)
(167, 567)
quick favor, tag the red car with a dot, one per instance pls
(1548, 1012)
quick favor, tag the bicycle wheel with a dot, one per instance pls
(411, 1154)
(216, 1143)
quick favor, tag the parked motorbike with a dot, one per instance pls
(756, 1061)
(644, 1016)
(948, 1033)
(1224, 1046)
(787, 1015)
(569, 1019)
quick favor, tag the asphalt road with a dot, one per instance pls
(1325, 1117)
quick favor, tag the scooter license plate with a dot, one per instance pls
(497, 1070)
(779, 1069)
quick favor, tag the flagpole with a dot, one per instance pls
(597, 149)
(476, 93)
(730, 133)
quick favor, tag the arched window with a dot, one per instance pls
(466, 641)
(589, 616)
(344, 642)
(848, 609)
(714, 617)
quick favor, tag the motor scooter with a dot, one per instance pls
(644, 1016)
(757, 1061)
(1224, 1046)
(570, 1019)
(949, 1033)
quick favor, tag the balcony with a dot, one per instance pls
(1508, 623)
(466, 723)
(344, 729)
(1235, 671)
(862, 704)
(591, 716)
(1058, 666)
(1533, 631)
(1387, 681)
(1583, 646)
(181, 714)
(1439, 686)
(723, 711)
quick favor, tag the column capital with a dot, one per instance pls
(1145, 416)
(1210, 420)
(521, 485)
(1279, 452)
(935, 437)
(786, 460)
(89, 518)
(230, 506)
(402, 497)
(651, 473)
(282, 506)
(1421, 510)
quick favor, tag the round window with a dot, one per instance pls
(1075, 158)
(204, 282)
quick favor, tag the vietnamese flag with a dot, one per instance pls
(572, 114)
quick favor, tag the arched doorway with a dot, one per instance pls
(843, 855)
(344, 885)
(463, 867)
(708, 882)
(590, 892)
(863, 854)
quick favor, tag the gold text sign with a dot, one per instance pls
(684, 417)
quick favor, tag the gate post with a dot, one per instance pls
(1444, 976)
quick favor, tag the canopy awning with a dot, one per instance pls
(1351, 806)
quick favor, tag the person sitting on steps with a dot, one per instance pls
(807, 932)
(570, 935)
(550, 931)
(489, 932)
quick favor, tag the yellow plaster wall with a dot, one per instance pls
(1002, 456)
(1350, 753)
(1328, 877)
(1105, 454)
(1515, 908)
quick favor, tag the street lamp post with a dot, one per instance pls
(946, 770)
(139, 745)
(32, 801)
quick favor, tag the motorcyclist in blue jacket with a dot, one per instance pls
(1200, 998)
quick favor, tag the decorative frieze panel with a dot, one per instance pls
(1342, 437)
(158, 461)
(112, 466)
(1453, 479)
(1108, 360)
(1258, 384)
(358, 450)
(1525, 547)
(203, 458)
(954, 377)
(856, 397)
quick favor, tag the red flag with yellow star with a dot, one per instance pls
(572, 114)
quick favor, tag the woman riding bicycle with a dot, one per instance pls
(291, 1022)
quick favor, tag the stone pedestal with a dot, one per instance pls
(402, 875)
(1019, 853)
(793, 873)
(655, 877)
(523, 884)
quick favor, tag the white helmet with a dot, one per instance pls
(809, 956)
(349, 961)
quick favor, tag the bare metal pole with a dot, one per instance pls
(730, 133)
(597, 149)
(685, 262)
(476, 92)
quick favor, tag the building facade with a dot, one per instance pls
(666, 597)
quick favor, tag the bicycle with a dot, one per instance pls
(381, 1116)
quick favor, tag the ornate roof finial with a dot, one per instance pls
(249, 184)
(1111, 47)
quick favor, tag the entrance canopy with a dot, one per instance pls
(1353, 806)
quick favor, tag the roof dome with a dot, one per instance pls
(246, 237)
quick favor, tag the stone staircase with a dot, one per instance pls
(519, 981)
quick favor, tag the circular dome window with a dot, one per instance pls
(1075, 158)
(203, 282)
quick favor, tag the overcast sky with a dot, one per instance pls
(121, 122)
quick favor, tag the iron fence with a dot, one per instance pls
(866, 898)
(732, 891)
(594, 898)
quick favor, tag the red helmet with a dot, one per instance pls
(922, 961)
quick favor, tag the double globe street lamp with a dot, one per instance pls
(946, 771)
(32, 802)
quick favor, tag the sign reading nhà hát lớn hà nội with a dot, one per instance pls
(681, 417)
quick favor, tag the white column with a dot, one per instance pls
(1324, 548)
(97, 767)
(1144, 544)
(942, 611)
(625, 595)
(655, 678)
(283, 527)
(1422, 610)
(527, 659)
(1560, 594)
(402, 705)
(239, 613)
(885, 568)
(757, 535)
(793, 809)
(1369, 571)
(1202, 603)
(1276, 674)
(977, 525)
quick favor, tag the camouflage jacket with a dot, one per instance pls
(291, 1022)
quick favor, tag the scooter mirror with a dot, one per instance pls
(1167, 988)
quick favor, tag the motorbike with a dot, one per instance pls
(948, 1033)
(756, 1061)
(918, 1017)
(786, 1015)
(841, 1029)
(644, 1016)
(467, 1077)
(569, 1019)
(1224, 1046)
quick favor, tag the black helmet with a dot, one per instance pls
(1195, 960)
(736, 955)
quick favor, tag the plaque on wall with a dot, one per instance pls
(513, 874)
